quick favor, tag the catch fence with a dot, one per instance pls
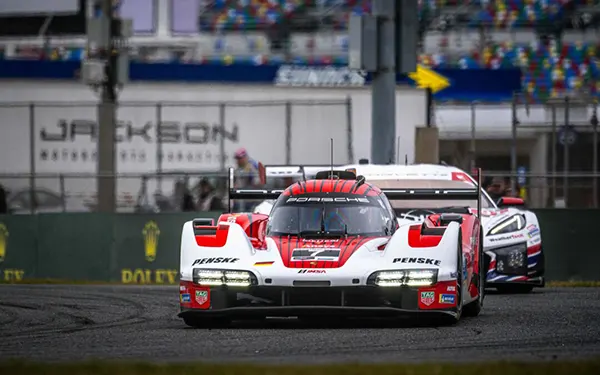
(53, 146)
(550, 149)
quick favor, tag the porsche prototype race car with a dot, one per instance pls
(514, 256)
(333, 246)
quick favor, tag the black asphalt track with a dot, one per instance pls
(56, 323)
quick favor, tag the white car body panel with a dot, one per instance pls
(361, 264)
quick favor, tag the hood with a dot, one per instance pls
(490, 217)
(320, 253)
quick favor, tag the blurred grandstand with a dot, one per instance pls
(555, 42)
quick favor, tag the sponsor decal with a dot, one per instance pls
(182, 288)
(488, 212)
(186, 298)
(454, 275)
(327, 200)
(315, 76)
(74, 141)
(3, 241)
(507, 237)
(201, 296)
(8, 274)
(150, 236)
(324, 254)
(263, 264)
(449, 299)
(308, 243)
(148, 276)
(532, 230)
(312, 271)
(427, 298)
(536, 240)
(150, 233)
(214, 260)
(430, 261)
(451, 289)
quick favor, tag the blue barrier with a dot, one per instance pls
(466, 85)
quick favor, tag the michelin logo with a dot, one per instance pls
(330, 76)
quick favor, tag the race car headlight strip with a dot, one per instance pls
(395, 278)
(212, 277)
(512, 224)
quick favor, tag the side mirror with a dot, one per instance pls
(510, 202)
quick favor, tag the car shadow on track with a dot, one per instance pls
(334, 323)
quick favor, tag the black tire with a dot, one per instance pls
(451, 320)
(474, 308)
(514, 289)
(207, 323)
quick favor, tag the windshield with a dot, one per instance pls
(321, 219)
(430, 184)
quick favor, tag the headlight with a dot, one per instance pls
(397, 278)
(223, 277)
(512, 224)
(511, 260)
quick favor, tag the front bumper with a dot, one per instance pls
(532, 273)
(273, 301)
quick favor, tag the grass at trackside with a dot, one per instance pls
(550, 284)
(573, 284)
(589, 367)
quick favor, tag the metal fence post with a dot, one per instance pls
(566, 153)
(222, 109)
(159, 150)
(63, 194)
(513, 149)
(554, 156)
(594, 123)
(32, 168)
(288, 132)
(472, 150)
(350, 134)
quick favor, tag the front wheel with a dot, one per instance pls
(474, 308)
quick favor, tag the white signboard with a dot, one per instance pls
(37, 7)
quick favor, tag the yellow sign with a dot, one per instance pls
(151, 233)
(3, 241)
(426, 78)
(146, 276)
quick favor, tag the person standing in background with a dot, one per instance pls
(208, 199)
(246, 176)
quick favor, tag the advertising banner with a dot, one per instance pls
(465, 85)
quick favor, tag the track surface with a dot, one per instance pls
(53, 323)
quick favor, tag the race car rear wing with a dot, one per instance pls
(392, 194)
(306, 171)
(251, 194)
(439, 194)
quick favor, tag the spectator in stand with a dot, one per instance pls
(208, 199)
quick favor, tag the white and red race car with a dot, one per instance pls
(333, 246)
(512, 235)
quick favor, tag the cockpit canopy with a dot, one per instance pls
(330, 214)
